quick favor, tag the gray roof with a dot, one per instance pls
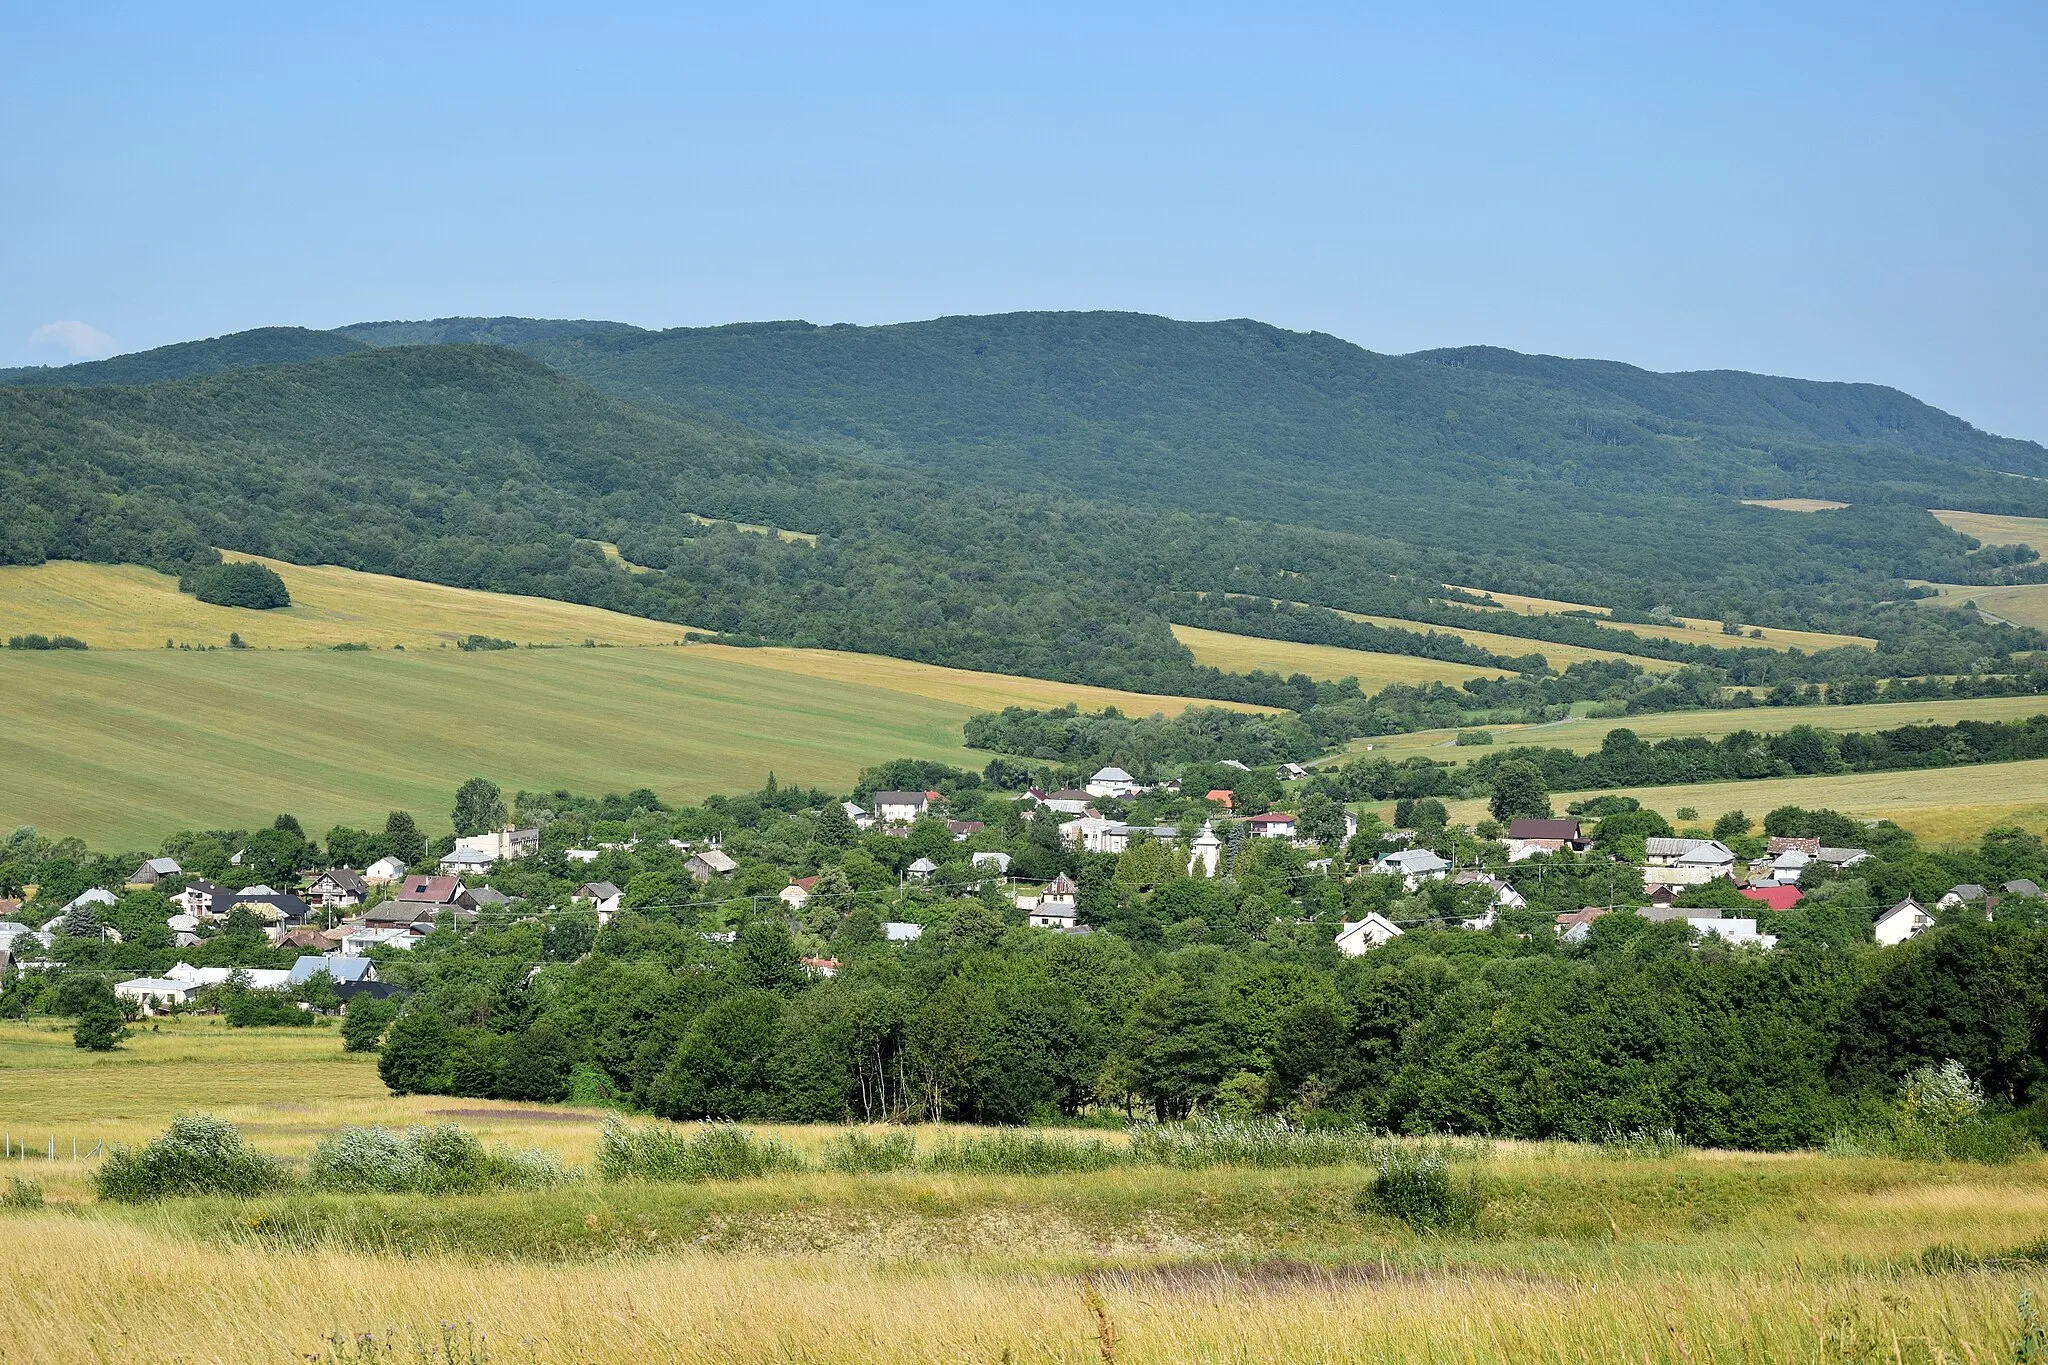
(597, 891)
(334, 964)
(2020, 887)
(1968, 891)
(924, 865)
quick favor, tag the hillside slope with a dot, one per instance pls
(186, 359)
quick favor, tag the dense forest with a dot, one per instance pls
(939, 537)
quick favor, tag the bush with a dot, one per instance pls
(1939, 1117)
(244, 583)
(200, 1154)
(720, 1152)
(258, 1009)
(21, 1194)
(484, 642)
(438, 1160)
(1019, 1154)
(859, 1154)
(1469, 738)
(1415, 1186)
(33, 641)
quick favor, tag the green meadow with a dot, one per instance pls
(121, 747)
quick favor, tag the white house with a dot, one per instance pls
(1205, 853)
(1505, 897)
(900, 808)
(861, 819)
(1959, 895)
(467, 861)
(259, 978)
(1273, 825)
(582, 855)
(1066, 801)
(1292, 772)
(1738, 931)
(1687, 862)
(336, 889)
(357, 942)
(1096, 834)
(798, 893)
(500, 845)
(921, 870)
(1413, 866)
(999, 861)
(384, 870)
(602, 897)
(1903, 921)
(896, 931)
(152, 992)
(1374, 931)
(1112, 782)
(1057, 907)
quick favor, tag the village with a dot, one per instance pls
(337, 923)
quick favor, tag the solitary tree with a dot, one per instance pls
(836, 827)
(402, 838)
(1518, 791)
(101, 1026)
(479, 807)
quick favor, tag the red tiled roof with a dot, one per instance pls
(1274, 818)
(1777, 897)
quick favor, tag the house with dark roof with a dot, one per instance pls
(337, 888)
(423, 892)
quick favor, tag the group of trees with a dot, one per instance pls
(1192, 994)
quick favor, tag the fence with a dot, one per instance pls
(23, 1151)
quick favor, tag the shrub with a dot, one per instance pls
(859, 1154)
(101, 1024)
(1468, 738)
(1415, 1186)
(1019, 1154)
(440, 1160)
(34, 641)
(484, 642)
(244, 583)
(199, 1154)
(1939, 1117)
(719, 1152)
(258, 1009)
(21, 1194)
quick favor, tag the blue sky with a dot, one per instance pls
(1845, 191)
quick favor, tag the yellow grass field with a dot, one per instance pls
(2022, 604)
(1944, 805)
(1584, 735)
(125, 606)
(1795, 504)
(1698, 1257)
(1695, 630)
(1998, 530)
(1328, 663)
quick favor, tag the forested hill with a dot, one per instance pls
(1023, 492)
(187, 359)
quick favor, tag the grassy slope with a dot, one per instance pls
(1242, 653)
(1942, 805)
(1694, 631)
(121, 748)
(1586, 735)
(2023, 604)
(1998, 530)
(1710, 1256)
(125, 606)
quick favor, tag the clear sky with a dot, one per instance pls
(1838, 191)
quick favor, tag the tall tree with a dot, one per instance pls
(479, 807)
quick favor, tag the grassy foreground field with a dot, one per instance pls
(120, 748)
(1578, 1255)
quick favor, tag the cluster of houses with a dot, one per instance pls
(1669, 865)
